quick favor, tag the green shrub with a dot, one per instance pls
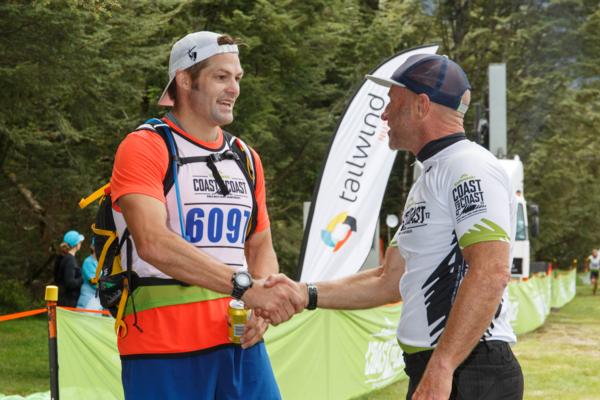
(13, 296)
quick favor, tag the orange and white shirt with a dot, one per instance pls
(175, 318)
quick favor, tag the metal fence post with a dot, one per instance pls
(51, 300)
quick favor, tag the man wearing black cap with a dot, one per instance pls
(451, 256)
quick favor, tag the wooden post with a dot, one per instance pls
(51, 300)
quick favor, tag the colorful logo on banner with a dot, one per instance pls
(338, 231)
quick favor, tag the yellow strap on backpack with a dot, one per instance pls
(120, 325)
(250, 169)
(111, 238)
(246, 151)
(83, 203)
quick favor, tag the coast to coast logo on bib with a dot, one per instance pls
(206, 185)
(468, 197)
(338, 231)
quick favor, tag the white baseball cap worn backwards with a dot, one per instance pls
(192, 49)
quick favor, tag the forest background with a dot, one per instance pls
(77, 75)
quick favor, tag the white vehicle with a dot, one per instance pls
(497, 129)
(521, 262)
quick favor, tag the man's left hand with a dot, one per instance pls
(436, 384)
(254, 330)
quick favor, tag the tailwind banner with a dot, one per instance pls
(345, 207)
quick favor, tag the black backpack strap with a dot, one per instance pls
(210, 163)
(130, 278)
(122, 241)
(239, 147)
(154, 281)
(215, 157)
(246, 163)
(160, 127)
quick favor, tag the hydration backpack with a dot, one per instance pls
(115, 283)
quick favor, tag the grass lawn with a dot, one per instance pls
(560, 360)
(24, 356)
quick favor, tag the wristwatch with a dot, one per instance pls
(313, 294)
(241, 281)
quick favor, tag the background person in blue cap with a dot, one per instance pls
(87, 296)
(451, 256)
(67, 273)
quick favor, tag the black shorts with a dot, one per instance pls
(594, 274)
(490, 372)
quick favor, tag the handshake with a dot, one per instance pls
(277, 298)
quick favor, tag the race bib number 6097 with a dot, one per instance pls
(217, 225)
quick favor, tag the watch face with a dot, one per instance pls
(242, 280)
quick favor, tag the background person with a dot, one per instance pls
(67, 273)
(450, 261)
(87, 296)
(594, 265)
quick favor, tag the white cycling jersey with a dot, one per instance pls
(462, 197)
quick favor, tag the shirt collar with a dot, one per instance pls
(172, 118)
(435, 146)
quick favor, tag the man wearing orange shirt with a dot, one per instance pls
(196, 222)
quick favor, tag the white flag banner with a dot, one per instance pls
(346, 203)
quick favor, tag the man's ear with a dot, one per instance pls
(183, 80)
(423, 105)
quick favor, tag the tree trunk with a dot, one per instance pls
(36, 207)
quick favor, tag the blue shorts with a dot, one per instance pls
(226, 372)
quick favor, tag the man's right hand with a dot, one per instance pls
(277, 301)
(282, 280)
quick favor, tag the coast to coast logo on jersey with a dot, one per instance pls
(338, 230)
(415, 216)
(468, 197)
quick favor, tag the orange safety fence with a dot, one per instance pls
(103, 312)
(23, 314)
(29, 313)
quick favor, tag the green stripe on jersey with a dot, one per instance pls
(480, 233)
(147, 297)
(408, 349)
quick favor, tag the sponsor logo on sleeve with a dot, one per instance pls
(468, 197)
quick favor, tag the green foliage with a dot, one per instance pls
(73, 77)
(555, 126)
(564, 172)
(13, 296)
